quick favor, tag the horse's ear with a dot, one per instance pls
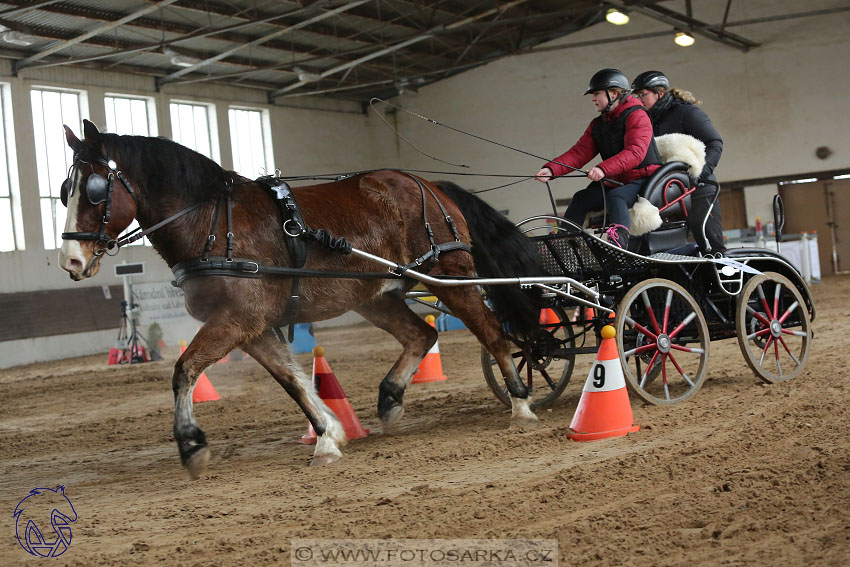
(91, 134)
(70, 137)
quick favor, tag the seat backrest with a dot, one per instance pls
(669, 189)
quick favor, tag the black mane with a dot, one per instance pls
(163, 163)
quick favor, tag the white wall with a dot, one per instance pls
(773, 105)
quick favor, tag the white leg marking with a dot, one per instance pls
(521, 414)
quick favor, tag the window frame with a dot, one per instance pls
(150, 108)
(215, 146)
(266, 137)
(10, 165)
(53, 186)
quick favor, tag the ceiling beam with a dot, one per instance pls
(258, 41)
(682, 21)
(400, 45)
(98, 30)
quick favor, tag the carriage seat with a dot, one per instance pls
(659, 215)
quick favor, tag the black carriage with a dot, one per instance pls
(665, 303)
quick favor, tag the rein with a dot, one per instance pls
(470, 134)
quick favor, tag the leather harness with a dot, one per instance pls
(296, 232)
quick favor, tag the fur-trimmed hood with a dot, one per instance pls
(681, 147)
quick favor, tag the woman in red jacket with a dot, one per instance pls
(622, 136)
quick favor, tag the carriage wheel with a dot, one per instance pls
(545, 372)
(773, 327)
(662, 339)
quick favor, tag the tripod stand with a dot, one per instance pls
(128, 337)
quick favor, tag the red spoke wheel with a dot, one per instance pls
(662, 339)
(545, 365)
(774, 331)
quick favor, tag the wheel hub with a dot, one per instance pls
(775, 328)
(663, 344)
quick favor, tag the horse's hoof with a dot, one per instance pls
(197, 463)
(326, 459)
(390, 419)
(525, 421)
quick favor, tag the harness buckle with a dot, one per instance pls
(256, 268)
(211, 238)
(299, 230)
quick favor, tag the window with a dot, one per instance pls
(193, 125)
(11, 223)
(51, 108)
(126, 114)
(133, 115)
(251, 141)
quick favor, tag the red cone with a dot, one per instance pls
(204, 391)
(431, 367)
(331, 393)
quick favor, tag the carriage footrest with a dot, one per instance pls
(663, 239)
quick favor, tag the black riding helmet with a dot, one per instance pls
(605, 79)
(651, 80)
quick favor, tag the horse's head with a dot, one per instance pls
(100, 204)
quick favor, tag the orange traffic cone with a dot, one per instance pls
(548, 317)
(431, 368)
(204, 391)
(331, 393)
(604, 410)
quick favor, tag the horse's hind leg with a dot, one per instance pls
(275, 357)
(466, 303)
(390, 313)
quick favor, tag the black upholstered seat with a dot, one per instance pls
(669, 189)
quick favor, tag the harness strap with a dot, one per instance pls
(229, 196)
(139, 233)
(213, 228)
(432, 254)
(245, 268)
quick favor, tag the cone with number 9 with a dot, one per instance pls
(604, 409)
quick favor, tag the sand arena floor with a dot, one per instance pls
(742, 474)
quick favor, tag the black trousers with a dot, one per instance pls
(713, 224)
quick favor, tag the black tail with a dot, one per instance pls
(500, 250)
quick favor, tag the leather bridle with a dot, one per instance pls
(95, 191)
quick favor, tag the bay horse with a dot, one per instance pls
(176, 194)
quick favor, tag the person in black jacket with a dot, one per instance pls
(674, 111)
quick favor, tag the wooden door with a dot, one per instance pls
(822, 207)
(733, 209)
(837, 193)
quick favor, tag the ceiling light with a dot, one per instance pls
(18, 38)
(617, 17)
(404, 87)
(306, 76)
(178, 59)
(683, 39)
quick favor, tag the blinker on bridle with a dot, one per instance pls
(98, 190)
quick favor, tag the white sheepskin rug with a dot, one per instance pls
(681, 147)
(644, 216)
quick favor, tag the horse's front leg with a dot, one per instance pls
(211, 343)
(391, 314)
(275, 357)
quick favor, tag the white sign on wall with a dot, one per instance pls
(159, 302)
